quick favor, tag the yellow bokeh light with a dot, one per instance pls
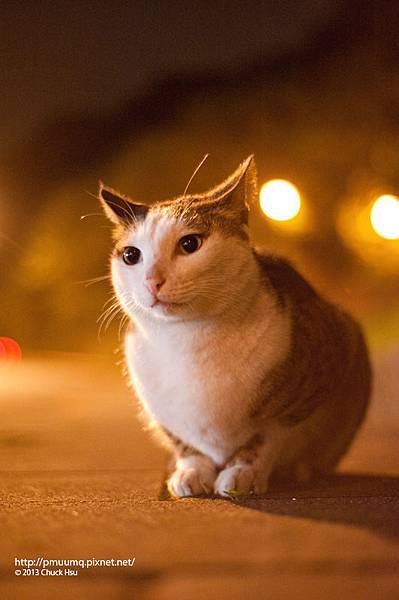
(384, 216)
(280, 200)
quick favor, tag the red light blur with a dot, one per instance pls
(10, 349)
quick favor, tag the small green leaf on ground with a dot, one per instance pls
(234, 493)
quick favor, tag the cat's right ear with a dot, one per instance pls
(119, 208)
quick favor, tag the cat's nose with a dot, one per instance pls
(154, 283)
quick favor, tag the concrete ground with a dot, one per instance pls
(81, 480)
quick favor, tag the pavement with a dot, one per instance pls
(82, 480)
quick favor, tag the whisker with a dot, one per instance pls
(113, 310)
(111, 317)
(95, 196)
(194, 174)
(107, 319)
(87, 282)
(121, 324)
(108, 310)
(82, 217)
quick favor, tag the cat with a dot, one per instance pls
(241, 365)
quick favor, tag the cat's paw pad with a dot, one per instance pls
(240, 480)
(191, 481)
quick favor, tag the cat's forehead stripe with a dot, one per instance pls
(203, 214)
(155, 226)
(152, 232)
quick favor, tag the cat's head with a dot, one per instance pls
(185, 257)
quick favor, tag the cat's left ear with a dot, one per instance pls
(119, 208)
(238, 192)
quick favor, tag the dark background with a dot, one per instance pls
(135, 93)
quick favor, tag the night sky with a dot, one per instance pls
(59, 57)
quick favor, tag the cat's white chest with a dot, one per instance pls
(186, 391)
(198, 384)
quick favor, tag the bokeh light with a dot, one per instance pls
(384, 216)
(280, 200)
(10, 349)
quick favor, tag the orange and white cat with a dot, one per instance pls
(244, 367)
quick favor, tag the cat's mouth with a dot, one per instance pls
(165, 305)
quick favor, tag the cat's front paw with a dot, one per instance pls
(192, 479)
(240, 480)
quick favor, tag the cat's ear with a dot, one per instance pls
(119, 208)
(237, 193)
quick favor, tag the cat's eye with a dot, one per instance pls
(190, 243)
(131, 255)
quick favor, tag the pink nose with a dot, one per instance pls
(154, 284)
